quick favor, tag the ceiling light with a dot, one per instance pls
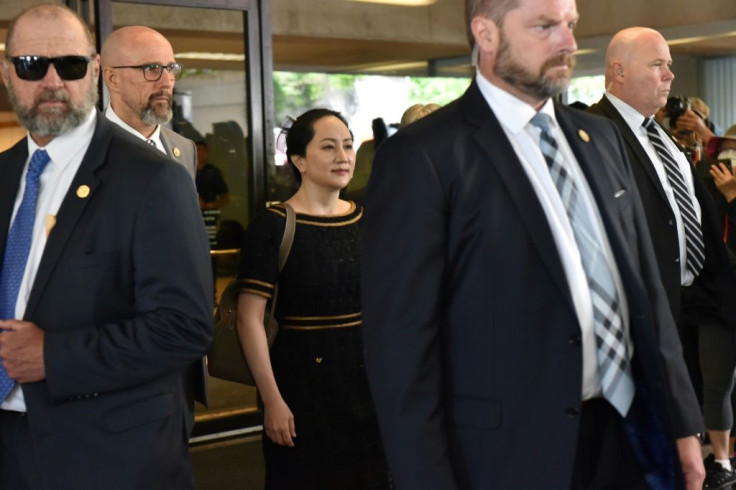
(196, 55)
(404, 3)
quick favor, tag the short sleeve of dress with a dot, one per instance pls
(258, 271)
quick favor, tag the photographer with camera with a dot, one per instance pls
(722, 151)
(688, 122)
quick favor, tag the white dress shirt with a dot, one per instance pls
(515, 116)
(155, 137)
(635, 120)
(66, 153)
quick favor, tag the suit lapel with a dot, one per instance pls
(165, 142)
(80, 193)
(641, 157)
(603, 181)
(12, 162)
(491, 138)
(589, 159)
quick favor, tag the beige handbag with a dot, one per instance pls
(226, 359)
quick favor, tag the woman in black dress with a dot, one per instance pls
(320, 427)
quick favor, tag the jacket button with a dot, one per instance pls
(671, 222)
(575, 340)
(572, 412)
(677, 260)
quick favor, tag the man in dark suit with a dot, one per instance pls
(684, 226)
(495, 357)
(105, 287)
(139, 70)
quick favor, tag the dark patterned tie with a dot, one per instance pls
(612, 345)
(17, 249)
(693, 233)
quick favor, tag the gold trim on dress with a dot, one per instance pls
(260, 283)
(327, 225)
(256, 292)
(334, 317)
(321, 327)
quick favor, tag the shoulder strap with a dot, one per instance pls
(288, 239)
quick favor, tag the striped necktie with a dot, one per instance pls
(693, 233)
(613, 356)
(17, 248)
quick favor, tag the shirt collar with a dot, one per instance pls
(633, 118)
(513, 113)
(63, 148)
(112, 116)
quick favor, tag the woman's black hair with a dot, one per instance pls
(301, 133)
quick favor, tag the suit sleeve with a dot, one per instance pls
(167, 323)
(404, 258)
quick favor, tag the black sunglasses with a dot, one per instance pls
(34, 68)
(153, 71)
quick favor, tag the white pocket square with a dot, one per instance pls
(619, 193)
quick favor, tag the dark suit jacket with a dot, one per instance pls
(717, 279)
(471, 338)
(124, 295)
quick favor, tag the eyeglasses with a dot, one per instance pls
(153, 71)
(34, 68)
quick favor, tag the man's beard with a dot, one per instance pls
(538, 85)
(152, 116)
(52, 121)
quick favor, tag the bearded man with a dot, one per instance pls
(139, 70)
(516, 331)
(105, 285)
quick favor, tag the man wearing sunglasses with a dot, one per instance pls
(105, 285)
(139, 70)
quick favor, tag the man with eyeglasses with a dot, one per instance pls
(105, 285)
(139, 70)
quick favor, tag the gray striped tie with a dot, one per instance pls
(614, 364)
(693, 233)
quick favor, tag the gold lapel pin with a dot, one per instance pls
(176, 151)
(583, 135)
(82, 191)
(50, 223)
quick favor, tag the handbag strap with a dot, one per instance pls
(288, 239)
(284, 249)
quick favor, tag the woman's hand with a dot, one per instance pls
(724, 179)
(278, 422)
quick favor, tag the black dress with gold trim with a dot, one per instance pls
(318, 355)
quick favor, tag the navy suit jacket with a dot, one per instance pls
(472, 342)
(717, 278)
(124, 295)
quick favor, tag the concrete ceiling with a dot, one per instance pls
(343, 36)
(350, 37)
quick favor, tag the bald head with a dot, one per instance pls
(126, 46)
(49, 12)
(638, 69)
(136, 96)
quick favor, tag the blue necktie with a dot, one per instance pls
(17, 248)
(612, 349)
